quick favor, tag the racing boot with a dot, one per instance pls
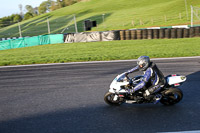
(147, 95)
(152, 97)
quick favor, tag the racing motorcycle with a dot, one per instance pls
(118, 93)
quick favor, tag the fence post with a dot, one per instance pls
(49, 31)
(103, 20)
(76, 29)
(152, 20)
(20, 32)
(133, 23)
(141, 23)
(165, 18)
(180, 16)
(186, 9)
(191, 16)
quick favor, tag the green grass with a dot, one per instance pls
(96, 51)
(119, 14)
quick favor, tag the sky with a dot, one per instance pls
(8, 7)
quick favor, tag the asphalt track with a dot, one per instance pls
(68, 98)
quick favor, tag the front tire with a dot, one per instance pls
(108, 98)
(172, 96)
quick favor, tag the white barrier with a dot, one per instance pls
(92, 36)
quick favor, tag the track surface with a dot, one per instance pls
(69, 99)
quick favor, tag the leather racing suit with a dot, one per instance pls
(153, 79)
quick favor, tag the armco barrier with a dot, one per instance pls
(31, 41)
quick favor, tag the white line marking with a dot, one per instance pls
(90, 62)
(197, 131)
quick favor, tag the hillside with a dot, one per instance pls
(109, 14)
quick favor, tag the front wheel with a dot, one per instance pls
(172, 96)
(108, 98)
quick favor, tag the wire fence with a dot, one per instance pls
(75, 23)
(195, 13)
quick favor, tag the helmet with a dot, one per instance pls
(143, 62)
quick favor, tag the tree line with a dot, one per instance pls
(45, 7)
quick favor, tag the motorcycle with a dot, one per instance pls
(118, 93)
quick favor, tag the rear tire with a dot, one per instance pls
(172, 96)
(108, 98)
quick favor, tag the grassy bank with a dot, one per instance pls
(95, 51)
(109, 14)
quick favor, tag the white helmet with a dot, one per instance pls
(143, 62)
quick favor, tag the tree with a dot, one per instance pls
(6, 21)
(28, 15)
(29, 8)
(42, 8)
(70, 2)
(61, 3)
(45, 6)
(35, 11)
(9, 20)
(54, 6)
(17, 18)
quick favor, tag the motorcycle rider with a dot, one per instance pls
(153, 78)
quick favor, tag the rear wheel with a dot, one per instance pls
(172, 96)
(108, 98)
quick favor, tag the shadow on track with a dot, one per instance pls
(101, 118)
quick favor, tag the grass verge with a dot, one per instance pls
(96, 51)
